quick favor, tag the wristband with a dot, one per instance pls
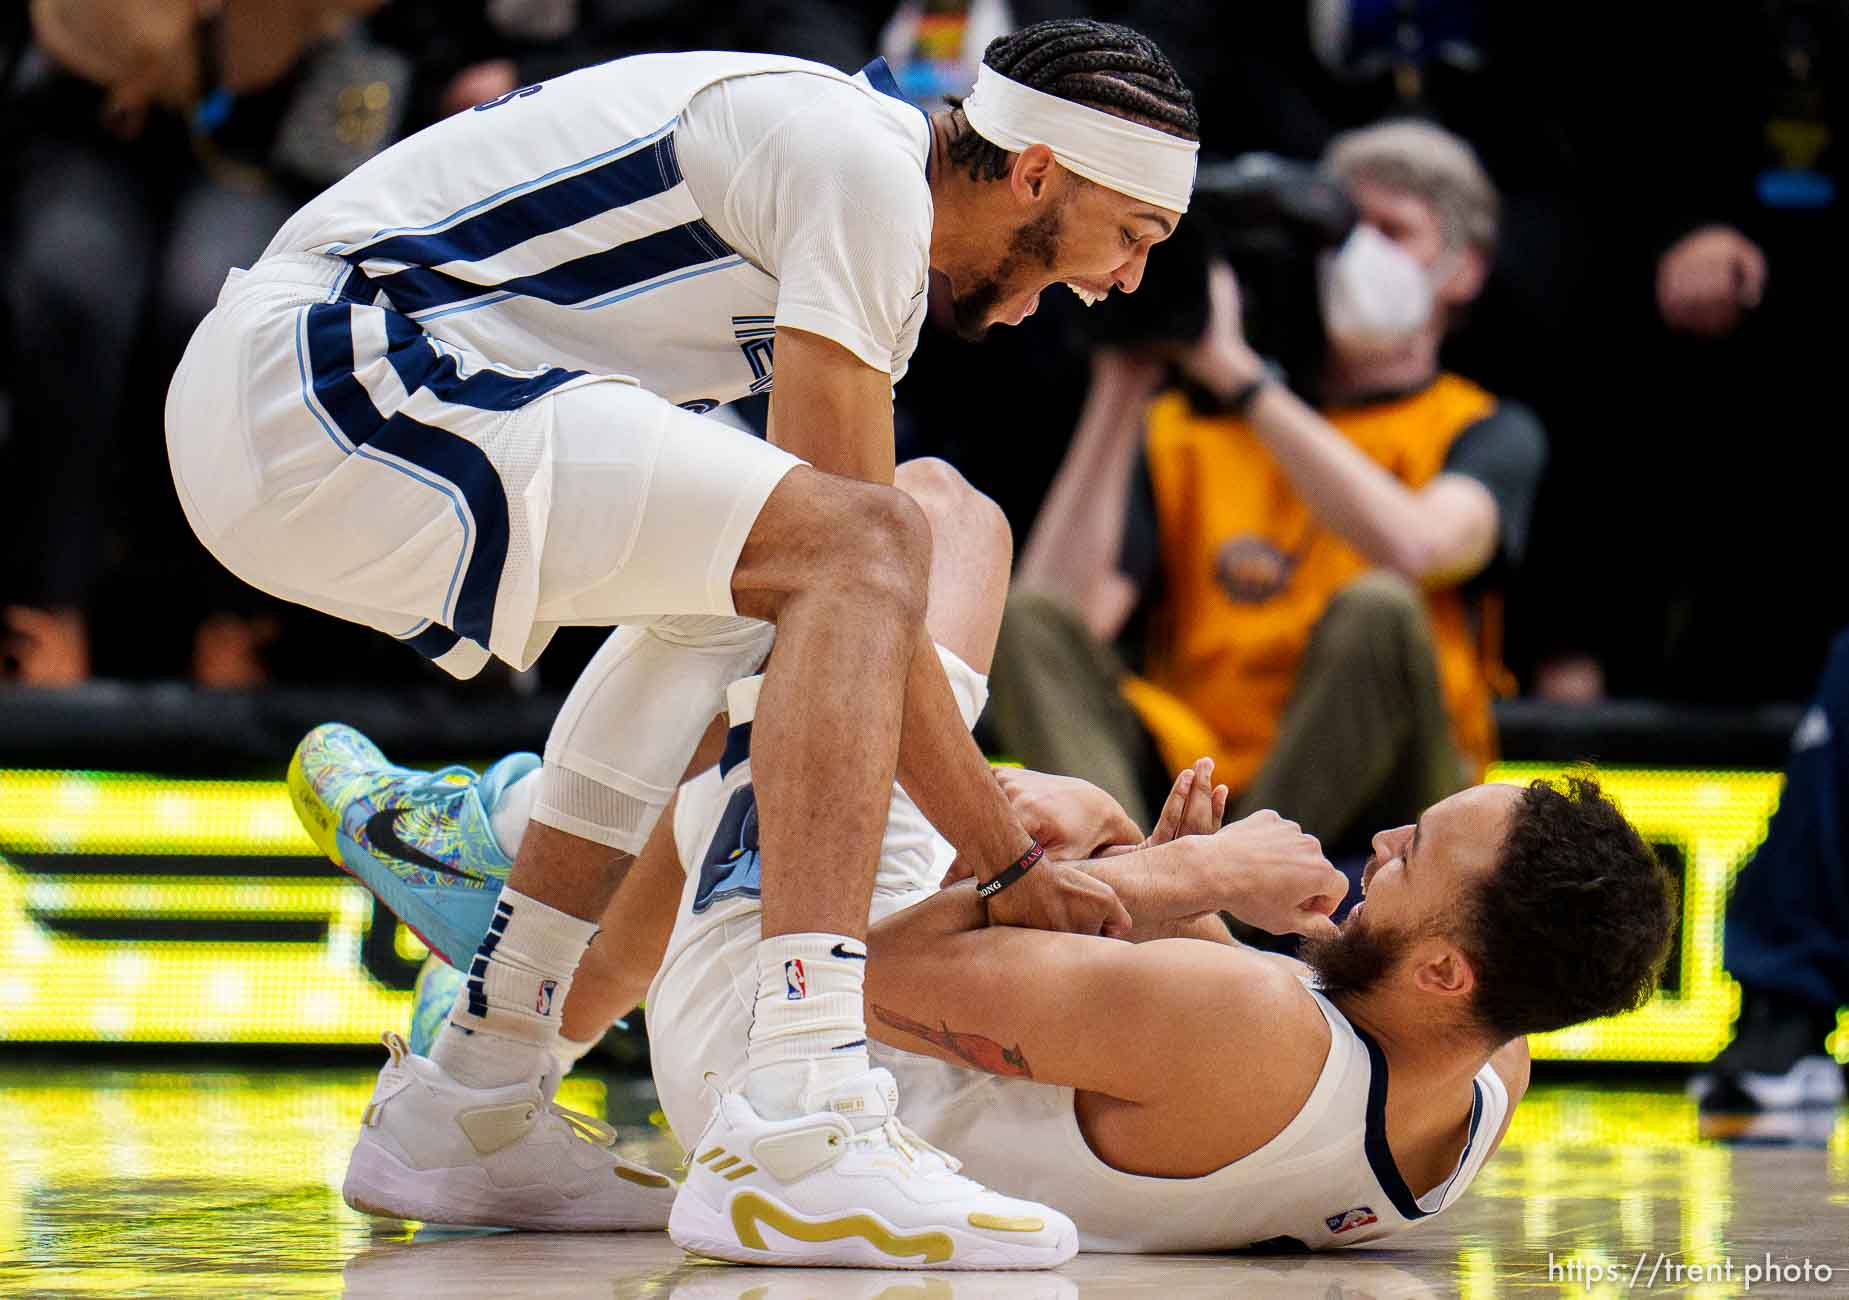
(1239, 402)
(1006, 878)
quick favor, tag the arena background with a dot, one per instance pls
(158, 889)
(191, 998)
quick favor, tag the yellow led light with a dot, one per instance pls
(54, 986)
(62, 987)
(88, 812)
(190, 897)
(1718, 819)
(407, 945)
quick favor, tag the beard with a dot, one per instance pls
(1035, 244)
(1356, 958)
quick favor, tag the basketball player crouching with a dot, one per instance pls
(457, 401)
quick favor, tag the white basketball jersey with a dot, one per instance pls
(553, 227)
(1327, 1180)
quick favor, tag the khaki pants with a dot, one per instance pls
(1364, 744)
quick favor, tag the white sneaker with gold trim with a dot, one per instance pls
(432, 1150)
(861, 1192)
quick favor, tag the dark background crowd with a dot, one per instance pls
(1662, 295)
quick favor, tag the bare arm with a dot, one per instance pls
(1262, 869)
(831, 408)
(631, 940)
(1437, 535)
(1072, 552)
(835, 411)
(1133, 1021)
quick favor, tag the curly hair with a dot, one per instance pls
(1101, 65)
(1575, 920)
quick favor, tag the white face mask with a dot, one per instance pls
(1375, 295)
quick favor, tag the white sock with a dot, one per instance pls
(569, 1051)
(808, 1029)
(513, 811)
(506, 1018)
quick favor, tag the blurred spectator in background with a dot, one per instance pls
(1288, 76)
(1787, 940)
(1668, 264)
(1720, 148)
(168, 140)
(1323, 578)
(470, 53)
(1543, 94)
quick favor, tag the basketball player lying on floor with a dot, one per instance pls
(1181, 1092)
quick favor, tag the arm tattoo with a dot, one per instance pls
(978, 1052)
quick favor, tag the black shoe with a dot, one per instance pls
(1776, 1060)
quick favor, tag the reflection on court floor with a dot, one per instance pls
(217, 1183)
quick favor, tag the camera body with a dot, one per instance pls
(1272, 219)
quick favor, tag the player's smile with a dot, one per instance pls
(1090, 295)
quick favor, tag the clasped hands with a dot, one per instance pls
(1263, 868)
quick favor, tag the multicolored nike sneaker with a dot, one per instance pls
(435, 993)
(419, 841)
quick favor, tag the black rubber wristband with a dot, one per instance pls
(1006, 878)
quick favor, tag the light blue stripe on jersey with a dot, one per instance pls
(418, 290)
(565, 202)
(442, 223)
(596, 279)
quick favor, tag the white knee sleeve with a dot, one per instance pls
(630, 724)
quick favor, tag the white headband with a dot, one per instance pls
(1121, 155)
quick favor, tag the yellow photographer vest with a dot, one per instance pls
(1247, 571)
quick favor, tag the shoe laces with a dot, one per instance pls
(893, 1134)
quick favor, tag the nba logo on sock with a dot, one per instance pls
(796, 983)
(543, 1003)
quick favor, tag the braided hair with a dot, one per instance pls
(1101, 65)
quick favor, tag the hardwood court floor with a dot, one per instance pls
(221, 1183)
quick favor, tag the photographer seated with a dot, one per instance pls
(1306, 584)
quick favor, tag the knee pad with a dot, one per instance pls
(620, 745)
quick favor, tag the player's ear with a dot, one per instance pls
(1032, 176)
(1444, 971)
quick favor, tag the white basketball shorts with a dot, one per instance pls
(330, 453)
(699, 1007)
